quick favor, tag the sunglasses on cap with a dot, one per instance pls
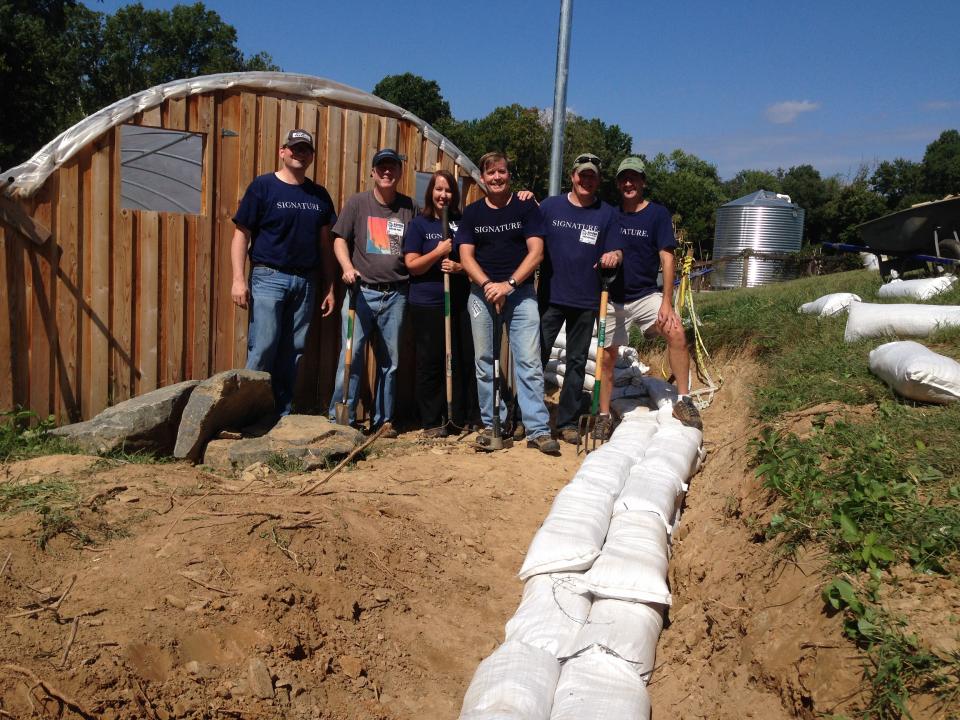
(581, 159)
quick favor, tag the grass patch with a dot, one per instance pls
(54, 500)
(23, 435)
(881, 491)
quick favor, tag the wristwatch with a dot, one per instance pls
(512, 283)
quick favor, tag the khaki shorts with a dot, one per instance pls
(620, 318)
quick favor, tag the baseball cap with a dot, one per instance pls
(586, 161)
(385, 155)
(632, 163)
(299, 137)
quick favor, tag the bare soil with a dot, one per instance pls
(377, 596)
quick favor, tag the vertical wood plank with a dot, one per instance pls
(429, 157)
(307, 119)
(410, 147)
(68, 291)
(320, 161)
(288, 119)
(148, 296)
(390, 133)
(42, 314)
(200, 251)
(151, 117)
(172, 299)
(334, 154)
(269, 144)
(8, 356)
(231, 112)
(371, 143)
(98, 378)
(351, 153)
(122, 367)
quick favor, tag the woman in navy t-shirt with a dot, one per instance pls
(428, 256)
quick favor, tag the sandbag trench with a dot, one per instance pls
(582, 643)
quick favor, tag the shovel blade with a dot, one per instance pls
(342, 414)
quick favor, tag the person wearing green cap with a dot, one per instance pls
(647, 241)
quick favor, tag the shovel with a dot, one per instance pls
(588, 423)
(447, 329)
(342, 409)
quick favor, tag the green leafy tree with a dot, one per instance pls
(749, 181)
(61, 61)
(806, 188)
(852, 204)
(691, 189)
(607, 142)
(420, 96)
(941, 164)
(900, 182)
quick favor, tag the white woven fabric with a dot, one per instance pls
(868, 320)
(916, 372)
(517, 682)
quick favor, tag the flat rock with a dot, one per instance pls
(352, 666)
(261, 684)
(232, 398)
(147, 423)
(312, 439)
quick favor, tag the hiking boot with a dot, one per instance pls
(519, 432)
(544, 443)
(388, 431)
(570, 435)
(686, 412)
(603, 429)
(435, 433)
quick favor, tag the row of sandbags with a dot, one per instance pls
(583, 640)
(627, 367)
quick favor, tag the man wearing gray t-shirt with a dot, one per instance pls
(368, 243)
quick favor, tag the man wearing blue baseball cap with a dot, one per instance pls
(283, 223)
(368, 242)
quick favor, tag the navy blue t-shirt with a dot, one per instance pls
(284, 221)
(422, 236)
(575, 239)
(499, 235)
(641, 236)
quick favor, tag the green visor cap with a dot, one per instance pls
(632, 163)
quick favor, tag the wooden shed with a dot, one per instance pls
(106, 294)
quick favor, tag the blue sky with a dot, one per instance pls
(740, 84)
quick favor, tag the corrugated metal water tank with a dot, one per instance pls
(763, 221)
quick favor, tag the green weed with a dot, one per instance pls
(23, 435)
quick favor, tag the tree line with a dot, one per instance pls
(61, 61)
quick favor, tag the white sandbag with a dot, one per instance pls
(633, 563)
(572, 533)
(827, 305)
(630, 630)
(517, 682)
(553, 610)
(867, 320)
(559, 366)
(870, 261)
(916, 372)
(599, 686)
(657, 492)
(919, 289)
(676, 449)
(659, 390)
(607, 467)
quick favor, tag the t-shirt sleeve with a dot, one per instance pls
(533, 224)
(250, 210)
(464, 234)
(332, 219)
(344, 224)
(664, 229)
(413, 238)
(610, 232)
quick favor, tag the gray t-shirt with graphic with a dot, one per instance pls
(374, 233)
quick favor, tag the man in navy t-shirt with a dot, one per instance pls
(578, 226)
(646, 239)
(283, 223)
(501, 243)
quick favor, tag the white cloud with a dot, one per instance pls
(787, 111)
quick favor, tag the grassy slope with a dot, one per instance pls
(880, 492)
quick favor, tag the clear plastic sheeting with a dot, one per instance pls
(916, 372)
(868, 320)
(552, 611)
(29, 176)
(517, 682)
(600, 686)
(828, 305)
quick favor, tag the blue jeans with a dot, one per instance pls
(280, 311)
(521, 318)
(382, 311)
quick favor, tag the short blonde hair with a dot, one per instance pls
(492, 157)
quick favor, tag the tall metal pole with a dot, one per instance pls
(560, 96)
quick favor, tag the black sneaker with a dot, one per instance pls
(686, 412)
(603, 428)
(544, 443)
